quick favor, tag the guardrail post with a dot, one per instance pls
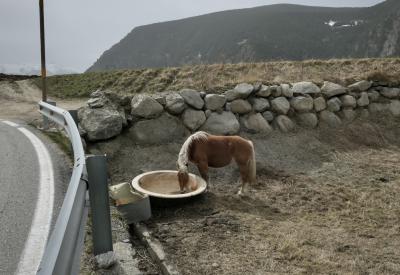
(99, 204)
(46, 121)
(74, 114)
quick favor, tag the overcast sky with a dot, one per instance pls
(79, 31)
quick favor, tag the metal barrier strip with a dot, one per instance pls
(65, 240)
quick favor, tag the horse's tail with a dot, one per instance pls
(251, 164)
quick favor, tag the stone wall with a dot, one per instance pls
(253, 108)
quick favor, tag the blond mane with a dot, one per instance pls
(183, 158)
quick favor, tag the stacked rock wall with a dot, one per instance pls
(258, 109)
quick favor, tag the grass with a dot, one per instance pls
(220, 77)
(62, 141)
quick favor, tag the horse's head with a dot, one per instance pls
(183, 178)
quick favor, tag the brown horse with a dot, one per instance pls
(206, 150)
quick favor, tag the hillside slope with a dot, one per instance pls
(275, 32)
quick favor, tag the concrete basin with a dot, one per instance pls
(164, 184)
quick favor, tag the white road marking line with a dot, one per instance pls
(40, 227)
(10, 123)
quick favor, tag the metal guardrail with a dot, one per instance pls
(63, 250)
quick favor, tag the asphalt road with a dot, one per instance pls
(19, 189)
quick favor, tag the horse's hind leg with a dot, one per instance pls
(244, 177)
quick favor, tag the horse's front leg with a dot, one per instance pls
(202, 166)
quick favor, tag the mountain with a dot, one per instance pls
(274, 32)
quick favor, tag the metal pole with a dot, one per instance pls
(43, 51)
(99, 204)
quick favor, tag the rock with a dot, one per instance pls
(97, 93)
(276, 91)
(286, 91)
(329, 118)
(308, 120)
(240, 106)
(256, 123)
(377, 107)
(215, 102)
(193, 119)
(192, 98)
(96, 102)
(175, 104)
(269, 116)
(330, 89)
(364, 113)
(360, 86)
(280, 105)
(163, 129)
(348, 101)
(124, 253)
(241, 91)
(284, 123)
(106, 260)
(334, 104)
(373, 96)
(203, 94)
(244, 90)
(221, 124)
(145, 106)
(348, 114)
(208, 113)
(265, 91)
(363, 100)
(257, 86)
(302, 104)
(161, 99)
(319, 104)
(305, 88)
(100, 123)
(260, 104)
(231, 95)
(390, 92)
(394, 107)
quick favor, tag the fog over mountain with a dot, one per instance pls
(273, 32)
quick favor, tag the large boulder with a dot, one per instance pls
(286, 91)
(265, 91)
(175, 104)
(360, 86)
(221, 124)
(302, 104)
(255, 123)
(334, 104)
(348, 114)
(240, 106)
(305, 88)
(269, 116)
(330, 89)
(161, 130)
(319, 104)
(145, 106)
(390, 92)
(373, 96)
(241, 91)
(307, 120)
(280, 105)
(348, 101)
(394, 107)
(330, 119)
(378, 107)
(215, 102)
(193, 119)
(284, 123)
(100, 123)
(363, 100)
(260, 104)
(192, 98)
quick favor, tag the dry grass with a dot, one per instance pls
(219, 77)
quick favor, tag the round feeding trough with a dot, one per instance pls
(164, 184)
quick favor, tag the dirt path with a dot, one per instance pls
(18, 100)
